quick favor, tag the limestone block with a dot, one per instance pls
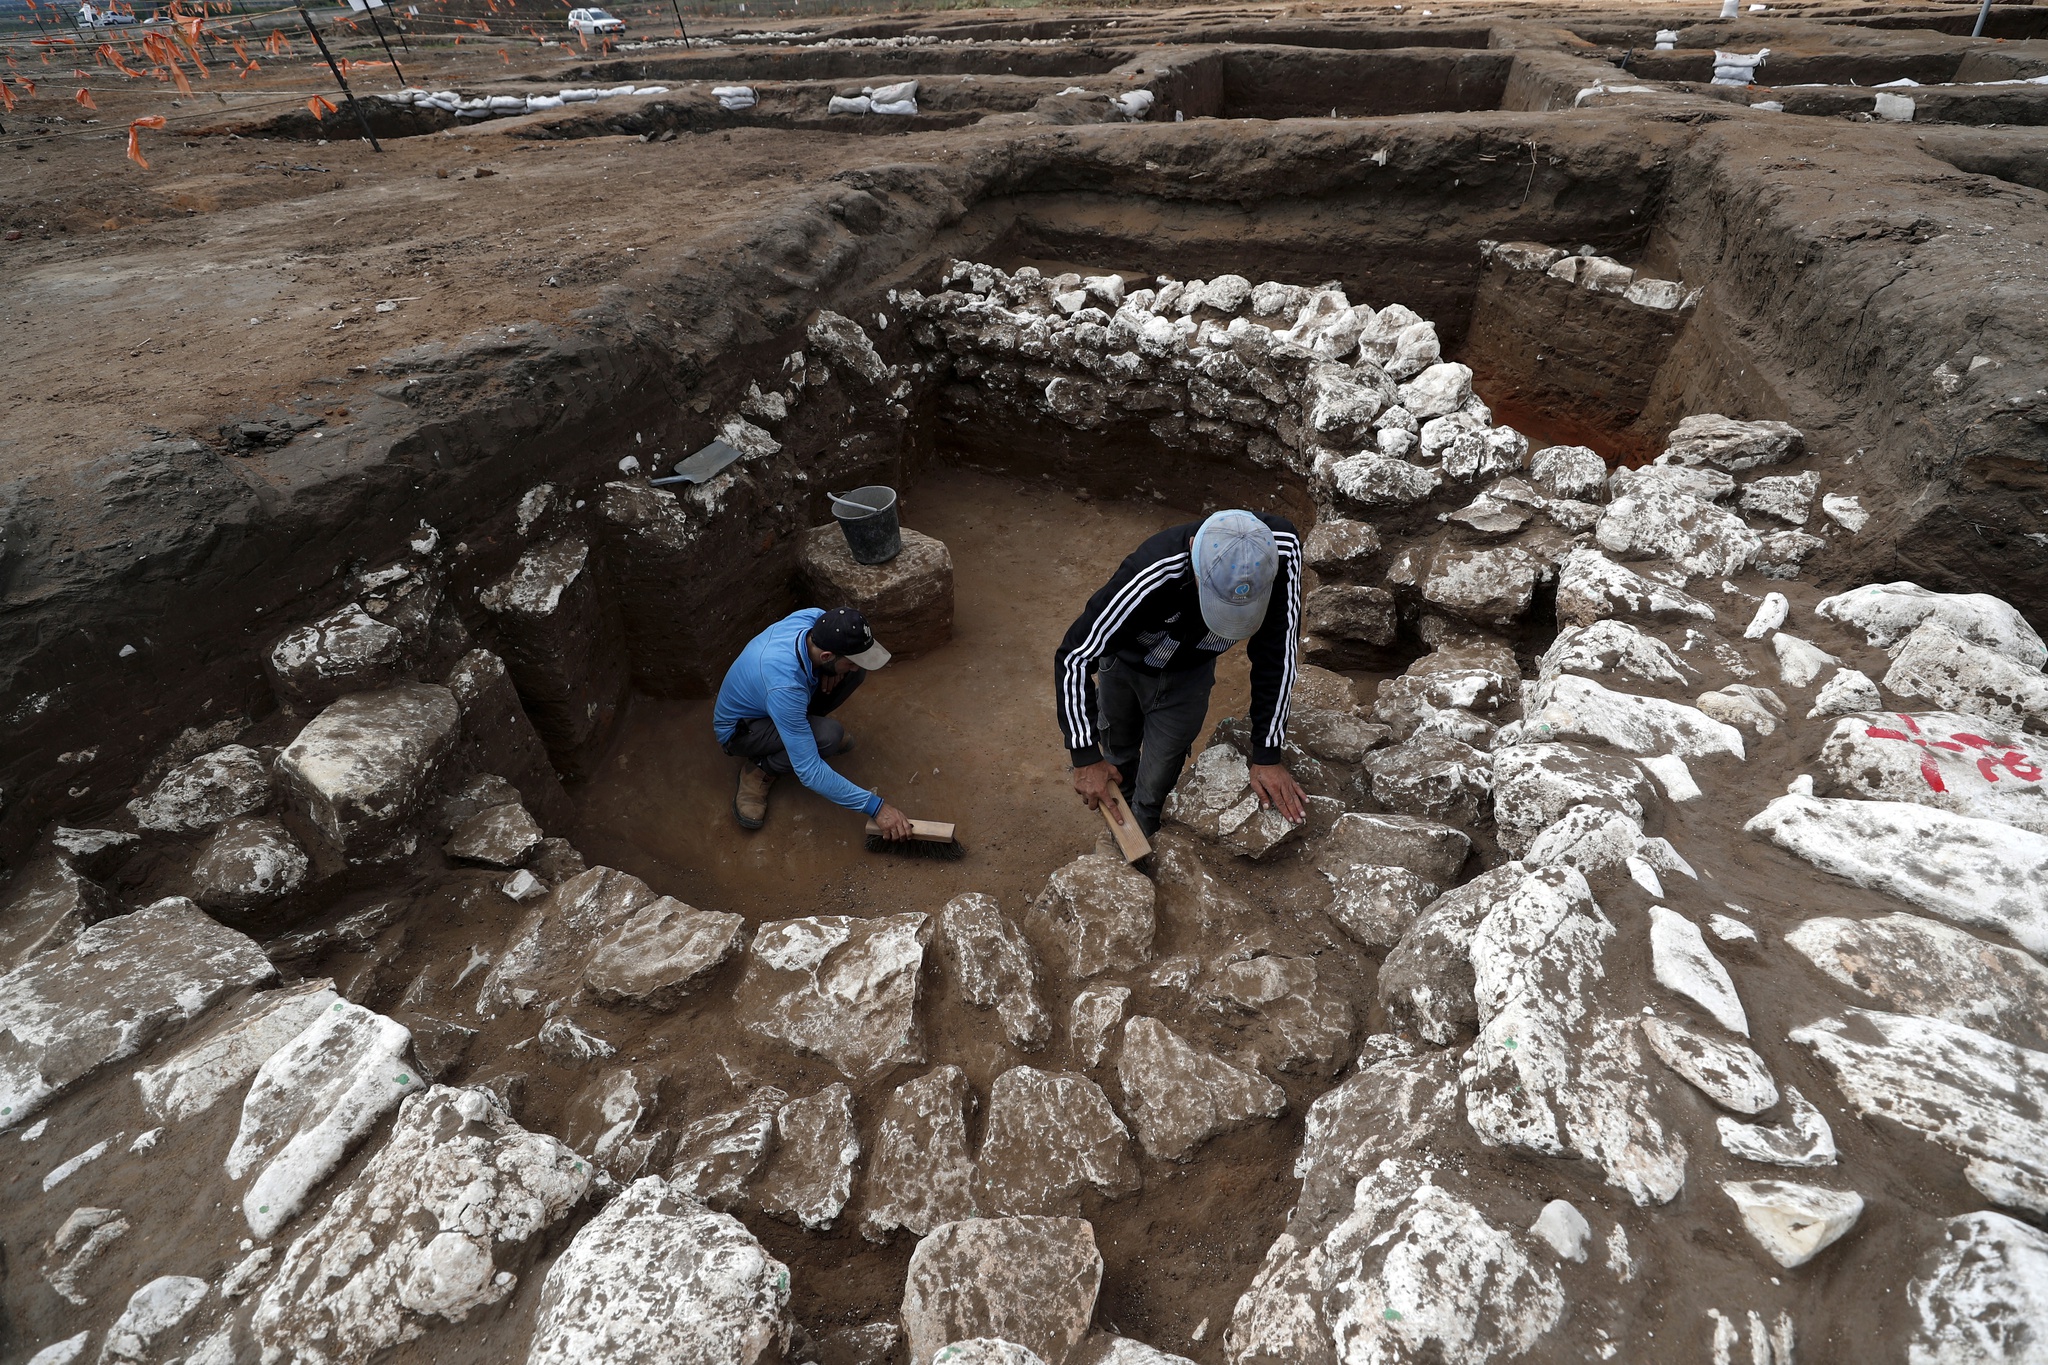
(920, 1175)
(1936, 663)
(810, 1177)
(1728, 1073)
(1590, 587)
(1888, 612)
(1724, 443)
(1300, 1022)
(108, 993)
(415, 1239)
(838, 987)
(367, 763)
(49, 903)
(542, 960)
(1433, 777)
(1951, 762)
(564, 646)
(1031, 1281)
(246, 865)
(497, 836)
(311, 1102)
(1051, 1137)
(1913, 965)
(1573, 472)
(199, 795)
(1100, 915)
(347, 650)
(994, 967)
(664, 951)
(1794, 1223)
(908, 601)
(1179, 1096)
(658, 1279)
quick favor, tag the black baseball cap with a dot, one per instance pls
(845, 632)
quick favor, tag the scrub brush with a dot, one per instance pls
(928, 839)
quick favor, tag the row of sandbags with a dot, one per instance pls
(502, 106)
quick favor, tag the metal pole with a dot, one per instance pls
(338, 80)
(378, 29)
(1982, 14)
(686, 33)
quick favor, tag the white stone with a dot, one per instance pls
(1685, 964)
(1730, 931)
(1800, 661)
(1032, 1281)
(1809, 1141)
(1092, 1020)
(1847, 692)
(414, 1239)
(1981, 1295)
(1695, 535)
(539, 964)
(364, 764)
(237, 1043)
(1974, 872)
(1549, 1072)
(717, 1156)
(663, 952)
(1099, 913)
(1590, 586)
(152, 1310)
(1711, 439)
(1963, 1089)
(658, 1279)
(1728, 1073)
(1786, 497)
(1770, 614)
(201, 794)
(1956, 675)
(65, 1352)
(845, 989)
(1610, 647)
(1845, 511)
(994, 967)
(1594, 841)
(1571, 472)
(1564, 1228)
(1756, 709)
(1577, 708)
(312, 1101)
(1954, 763)
(1413, 1273)
(920, 1174)
(986, 1351)
(1439, 389)
(108, 993)
(1368, 482)
(1179, 1097)
(1050, 1137)
(1793, 1223)
(810, 1177)
(1914, 965)
(1888, 612)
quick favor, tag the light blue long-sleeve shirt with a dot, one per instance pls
(774, 678)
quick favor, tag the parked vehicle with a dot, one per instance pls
(92, 17)
(594, 21)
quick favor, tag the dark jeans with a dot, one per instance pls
(760, 741)
(1148, 723)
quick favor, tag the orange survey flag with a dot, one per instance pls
(134, 144)
(320, 107)
(84, 97)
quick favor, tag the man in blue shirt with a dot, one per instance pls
(774, 710)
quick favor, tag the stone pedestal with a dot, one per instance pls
(908, 601)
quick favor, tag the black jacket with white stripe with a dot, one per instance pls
(1149, 616)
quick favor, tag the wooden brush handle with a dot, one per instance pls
(930, 831)
(1128, 836)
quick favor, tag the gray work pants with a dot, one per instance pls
(1148, 722)
(759, 740)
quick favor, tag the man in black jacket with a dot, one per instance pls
(1151, 637)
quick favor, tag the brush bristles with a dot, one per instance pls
(946, 850)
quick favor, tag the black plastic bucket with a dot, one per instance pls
(867, 516)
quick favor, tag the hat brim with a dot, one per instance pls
(871, 658)
(1233, 620)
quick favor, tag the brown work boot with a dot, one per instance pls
(750, 804)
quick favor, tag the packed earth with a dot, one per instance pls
(1659, 973)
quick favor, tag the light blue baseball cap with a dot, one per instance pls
(1235, 563)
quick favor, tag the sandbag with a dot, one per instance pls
(850, 104)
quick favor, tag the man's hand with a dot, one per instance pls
(1277, 788)
(1095, 782)
(828, 683)
(893, 823)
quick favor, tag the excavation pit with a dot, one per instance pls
(520, 851)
